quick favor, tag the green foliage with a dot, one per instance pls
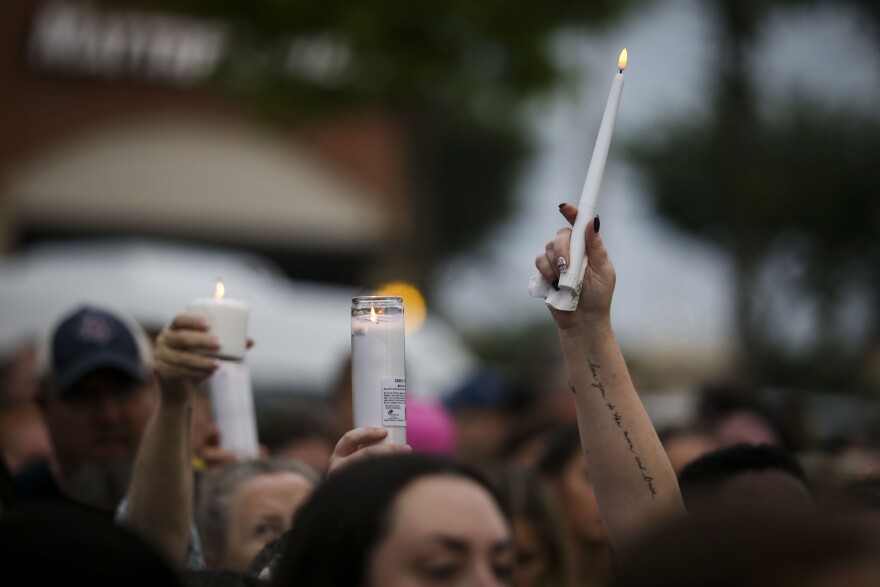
(458, 70)
(810, 172)
(466, 171)
(801, 184)
(427, 49)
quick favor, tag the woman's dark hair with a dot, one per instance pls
(525, 497)
(712, 469)
(347, 516)
(564, 445)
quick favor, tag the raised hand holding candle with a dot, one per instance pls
(231, 394)
(228, 320)
(571, 280)
(378, 374)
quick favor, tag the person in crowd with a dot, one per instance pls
(737, 416)
(745, 475)
(296, 429)
(18, 374)
(160, 499)
(633, 480)
(206, 435)
(529, 440)
(483, 410)
(836, 461)
(564, 468)
(636, 488)
(354, 446)
(685, 445)
(540, 369)
(754, 548)
(24, 439)
(399, 520)
(159, 503)
(541, 559)
(97, 393)
(247, 505)
(60, 545)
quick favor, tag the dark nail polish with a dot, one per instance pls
(555, 284)
(596, 223)
(562, 204)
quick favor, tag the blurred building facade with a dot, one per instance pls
(111, 128)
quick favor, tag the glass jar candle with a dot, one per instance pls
(378, 373)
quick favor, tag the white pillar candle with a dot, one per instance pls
(378, 365)
(228, 321)
(571, 279)
(233, 401)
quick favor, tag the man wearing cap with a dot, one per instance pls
(98, 392)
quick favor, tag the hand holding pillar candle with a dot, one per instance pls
(228, 321)
(377, 365)
(571, 280)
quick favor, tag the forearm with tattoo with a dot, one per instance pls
(619, 421)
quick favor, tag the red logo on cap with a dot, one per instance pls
(94, 329)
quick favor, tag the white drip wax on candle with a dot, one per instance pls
(378, 365)
(233, 401)
(228, 321)
(570, 281)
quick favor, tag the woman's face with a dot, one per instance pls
(260, 510)
(444, 531)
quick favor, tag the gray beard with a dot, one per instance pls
(100, 486)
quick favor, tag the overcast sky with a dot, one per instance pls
(671, 289)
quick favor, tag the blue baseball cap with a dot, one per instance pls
(91, 338)
(483, 390)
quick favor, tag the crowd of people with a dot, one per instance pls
(114, 474)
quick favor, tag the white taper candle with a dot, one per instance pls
(571, 278)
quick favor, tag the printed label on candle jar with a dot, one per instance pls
(393, 401)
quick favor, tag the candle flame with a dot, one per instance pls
(373, 316)
(621, 62)
(219, 291)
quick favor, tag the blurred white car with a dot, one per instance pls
(302, 330)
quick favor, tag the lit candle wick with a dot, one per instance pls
(219, 291)
(373, 316)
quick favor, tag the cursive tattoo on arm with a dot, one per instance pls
(618, 418)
